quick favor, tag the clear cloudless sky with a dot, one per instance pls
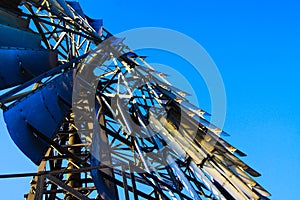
(255, 45)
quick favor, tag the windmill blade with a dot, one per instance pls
(22, 54)
(20, 67)
(208, 140)
(26, 118)
(100, 121)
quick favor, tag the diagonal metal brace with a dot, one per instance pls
(65, 187)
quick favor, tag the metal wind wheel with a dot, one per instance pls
(99, 121)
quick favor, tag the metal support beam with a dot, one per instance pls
(67, 188)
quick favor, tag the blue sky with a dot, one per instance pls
(255, 45)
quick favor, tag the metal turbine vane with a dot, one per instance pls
(99, 121)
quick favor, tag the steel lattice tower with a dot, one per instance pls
(125, 134)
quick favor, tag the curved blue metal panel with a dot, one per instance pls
(13, 20)
(15, 37)
(23, 64)
(40, 112)
(97, 24)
